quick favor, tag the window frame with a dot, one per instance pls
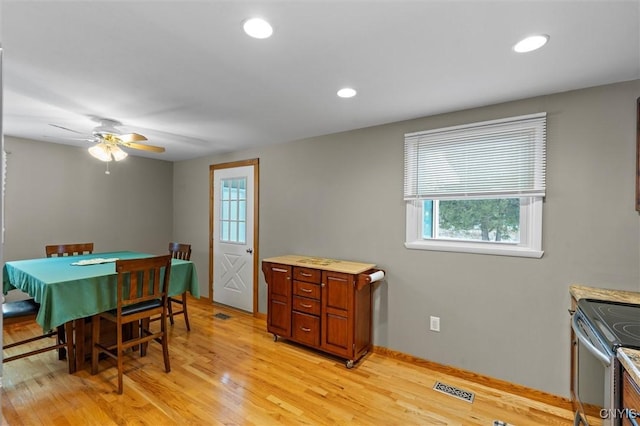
(531, 212)
(530, 234)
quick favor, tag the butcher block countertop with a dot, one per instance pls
(584, 292)
(325, 264)
(629, 358)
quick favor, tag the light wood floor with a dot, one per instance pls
(231, 372)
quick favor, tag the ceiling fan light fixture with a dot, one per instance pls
(118, 154)
(101, 152)
(106, 152)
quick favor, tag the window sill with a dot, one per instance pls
(479, 248)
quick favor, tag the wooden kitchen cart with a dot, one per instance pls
(321, 303)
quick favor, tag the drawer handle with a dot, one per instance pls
(337, 279)
(306, 290)
(304, 274)
(279, 270)
(305, 329)
(304, 305)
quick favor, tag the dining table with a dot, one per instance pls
(73, 288)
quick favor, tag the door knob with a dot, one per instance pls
(249, 250)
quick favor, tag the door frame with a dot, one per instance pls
(255, 162)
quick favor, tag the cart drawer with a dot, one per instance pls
(304, 289)
(306, 305)
(306, 329)
(307, 274)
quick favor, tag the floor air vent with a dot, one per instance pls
(220, 315)
(454, 391)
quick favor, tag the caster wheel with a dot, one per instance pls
(275, 337)
(349, 363)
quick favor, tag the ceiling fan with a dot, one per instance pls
(109, 139)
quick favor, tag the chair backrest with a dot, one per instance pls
(180, 251)
(68, 249)
(141, 280)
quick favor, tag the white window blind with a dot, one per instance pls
(499, 158)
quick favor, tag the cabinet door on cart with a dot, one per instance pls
(337, 313)
(279, 295)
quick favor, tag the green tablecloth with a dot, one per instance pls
(67, 292)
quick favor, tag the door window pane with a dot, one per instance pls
(233, 210)
(224, 210)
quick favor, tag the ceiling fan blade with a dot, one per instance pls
(142, 147)
(69, 139)
(65, 128)
(132, 137)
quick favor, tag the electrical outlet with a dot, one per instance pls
(434, 323)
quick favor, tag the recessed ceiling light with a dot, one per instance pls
(257, 28)
(531, 43)
(347, 92)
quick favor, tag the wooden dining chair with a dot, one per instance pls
(74, 249)
(179, 251)
(141, 293)
(25, 311)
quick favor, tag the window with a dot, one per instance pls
(477, 188)
(233, 210)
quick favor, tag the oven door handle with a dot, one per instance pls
(603, 357)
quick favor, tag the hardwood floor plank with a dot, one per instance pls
(231, 372)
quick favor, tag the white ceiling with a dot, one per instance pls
(185, 75)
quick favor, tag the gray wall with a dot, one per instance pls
(340, 196)
(59, 194)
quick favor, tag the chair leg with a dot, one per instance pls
(95, 340)
(120, 359)
(184, 310)
(165, 344)
(133, 332)
(170, 308)
(144, 330)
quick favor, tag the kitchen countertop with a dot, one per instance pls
(629, 358)
(583, 292)
(325, 264)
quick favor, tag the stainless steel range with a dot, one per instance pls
(601, 327)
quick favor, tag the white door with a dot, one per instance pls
(233, 237)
